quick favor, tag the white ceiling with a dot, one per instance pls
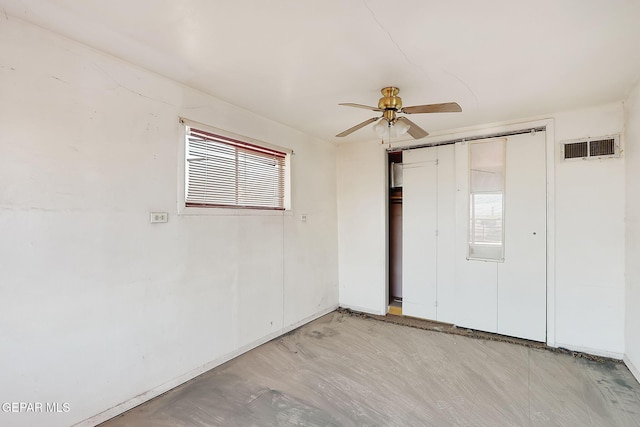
(293, 61)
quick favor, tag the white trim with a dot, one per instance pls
(551, 231)
(384, 304)
(216, 211)
(163, 388)
(203, 126)
(635, 371)
(476, 131)
(387, 240)
(592, 351)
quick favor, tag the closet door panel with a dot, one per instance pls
(419, 221)
(476, 282)
(522, 275)
(446, 234)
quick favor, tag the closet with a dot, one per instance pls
(474, 234)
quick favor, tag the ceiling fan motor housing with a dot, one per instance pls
(390, 103)
(390, 100)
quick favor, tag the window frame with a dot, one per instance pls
(214, 209)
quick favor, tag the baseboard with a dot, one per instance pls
(593, 351)
(363, 309)
(632, 367)
(163, 388)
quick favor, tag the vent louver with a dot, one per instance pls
(575, 150)
(591, 148)
(603, 147)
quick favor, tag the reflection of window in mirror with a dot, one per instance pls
(486, 199)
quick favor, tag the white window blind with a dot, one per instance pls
(224, 172)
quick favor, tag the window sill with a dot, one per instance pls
(218, 211)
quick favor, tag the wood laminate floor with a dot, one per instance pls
(344, 370)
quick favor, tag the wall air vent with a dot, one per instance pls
(596, 148)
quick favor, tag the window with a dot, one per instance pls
(225, 172)
(486, 199)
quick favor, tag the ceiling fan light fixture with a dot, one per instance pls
(401, 127)
(386, 129)
(381, 128)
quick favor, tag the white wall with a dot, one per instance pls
(632, 336)
(590, 238)
(361, 228)
(589, 267)
(99, 307)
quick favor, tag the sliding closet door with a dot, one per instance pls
(501, 238)
(474, 235)
(429, 229)
(522, 275)
(445, 262)
(476, 288)
(419, 223)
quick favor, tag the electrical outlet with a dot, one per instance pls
(156, 217)
(303, 217)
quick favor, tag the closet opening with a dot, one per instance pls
(395, 232)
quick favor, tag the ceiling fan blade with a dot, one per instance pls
(358, 126)
(447, 107)
(414, 130)
(366, 107)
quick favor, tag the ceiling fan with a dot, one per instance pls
(390, 105)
